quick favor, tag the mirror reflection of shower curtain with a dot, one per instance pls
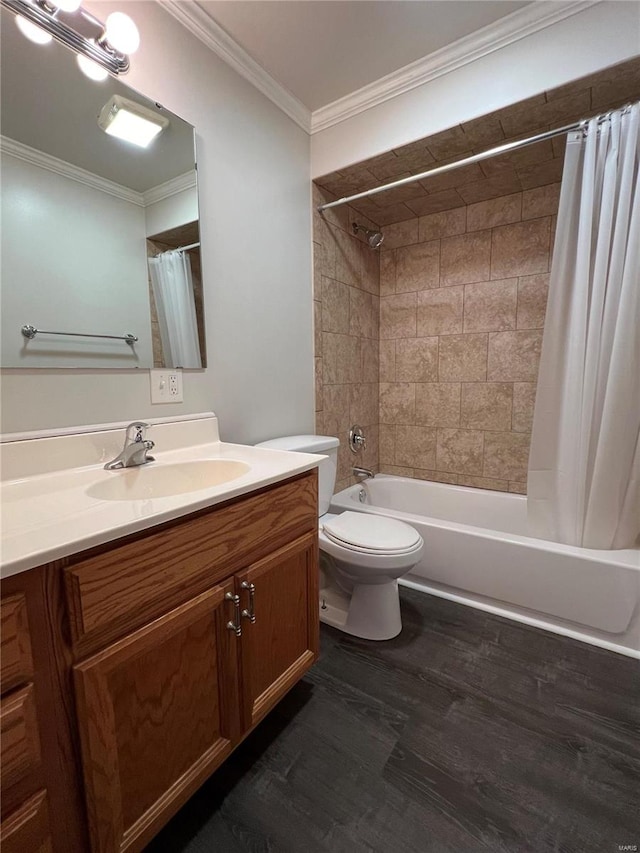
(172, 284)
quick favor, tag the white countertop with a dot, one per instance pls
(52, 514)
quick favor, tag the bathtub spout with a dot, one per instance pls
(363, 473)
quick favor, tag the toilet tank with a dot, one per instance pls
(326, 445)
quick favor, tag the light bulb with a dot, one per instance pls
(67, 5)
(32, 31)
(121, 33)
(92, 69)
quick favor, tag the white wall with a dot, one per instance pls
(253, 168)
(595, 38)
(50, 256)
(177, 209)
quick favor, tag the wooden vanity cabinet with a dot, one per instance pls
(160, 710)
(171, 645)
(24, 807)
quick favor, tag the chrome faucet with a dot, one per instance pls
(364, 473)
(135, 449)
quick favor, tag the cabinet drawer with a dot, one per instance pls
(27, 829)
(17, 666)
(19, 748)
(122, 588)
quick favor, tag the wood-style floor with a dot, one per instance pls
(466, 733)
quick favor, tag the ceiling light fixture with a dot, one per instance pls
(108, 46)
(131, 121)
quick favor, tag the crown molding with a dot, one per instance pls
(75, 173)
(196, 20)
(169, 188)
(505, 31)
(68, 170)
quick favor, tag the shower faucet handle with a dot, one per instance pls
(357, 440)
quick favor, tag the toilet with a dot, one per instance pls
(361, 555)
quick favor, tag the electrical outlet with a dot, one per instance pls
(166, 386)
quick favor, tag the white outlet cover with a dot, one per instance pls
(166, 386)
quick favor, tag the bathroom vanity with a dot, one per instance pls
(131, 669)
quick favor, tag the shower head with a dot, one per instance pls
(374, 238)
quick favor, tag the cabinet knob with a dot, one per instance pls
(236, 627)
(250, 612)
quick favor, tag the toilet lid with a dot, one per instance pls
(375, 533)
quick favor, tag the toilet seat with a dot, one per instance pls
(352, 549)
(371, 534)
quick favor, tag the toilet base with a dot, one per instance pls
(371, 611)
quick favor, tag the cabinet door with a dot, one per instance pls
(17, 665)
(27, 829)
(280, 642)
(157, 713)
(20, 773)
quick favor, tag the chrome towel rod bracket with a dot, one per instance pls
(30, 332)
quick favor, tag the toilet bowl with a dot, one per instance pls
(362, 555)
(367, 556)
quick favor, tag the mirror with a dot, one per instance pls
(99, 236)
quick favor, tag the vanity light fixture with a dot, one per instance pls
(66, 5)
(130, 121)
(107, 45)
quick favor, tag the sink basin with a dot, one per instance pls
(157, 480)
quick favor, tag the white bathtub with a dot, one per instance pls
(478, 553)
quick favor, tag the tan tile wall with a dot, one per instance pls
(462, 301)
(346, 293)
(508, 173)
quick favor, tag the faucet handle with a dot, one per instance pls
(136, 448)
(136, 431)
(357, 440)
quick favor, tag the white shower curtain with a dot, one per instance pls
(173, 292)
(584, 465)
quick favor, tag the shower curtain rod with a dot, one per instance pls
(475, 158)
(179, 249)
